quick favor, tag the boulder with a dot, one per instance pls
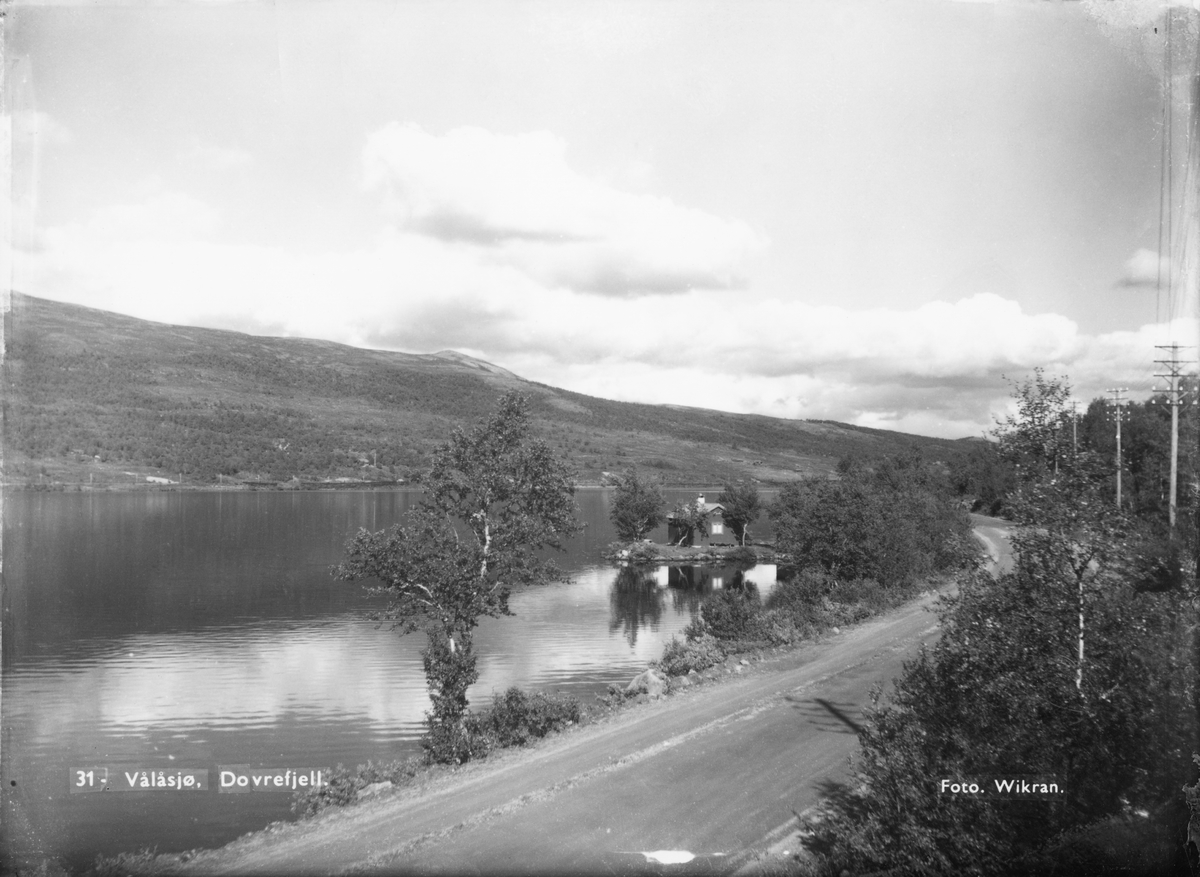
(682, 681)
(649, 682)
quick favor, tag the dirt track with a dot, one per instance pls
(716, 771)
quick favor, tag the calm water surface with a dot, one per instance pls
(170, 630)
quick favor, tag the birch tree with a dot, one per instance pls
(637, 507)
(691, 518)
(494, 499)
(742, 505)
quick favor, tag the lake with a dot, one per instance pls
(188, 630)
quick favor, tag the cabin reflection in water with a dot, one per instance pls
(705, 578)
(638, 598)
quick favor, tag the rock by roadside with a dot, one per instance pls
(650, 682)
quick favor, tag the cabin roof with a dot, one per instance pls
(708, 507)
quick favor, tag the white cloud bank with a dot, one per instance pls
(518, 195)
(502, 251)
(1146, 268)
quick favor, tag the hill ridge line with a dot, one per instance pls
(91, 395)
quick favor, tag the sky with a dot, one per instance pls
(873, 212)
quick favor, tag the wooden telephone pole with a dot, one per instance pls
(1174, 399)
(1074, 429)
(1118, 403)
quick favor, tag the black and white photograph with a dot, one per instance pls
(623, 437)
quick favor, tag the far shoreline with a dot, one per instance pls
(243, 487)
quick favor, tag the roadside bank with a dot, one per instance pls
(713, 769)
(738, 747)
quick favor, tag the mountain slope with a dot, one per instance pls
(93, 396)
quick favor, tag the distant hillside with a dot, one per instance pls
(93, 396)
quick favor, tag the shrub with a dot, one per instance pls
(839, 614)
(613, 697)
(801, 593)
(632, 552)
(1125, 844)
(997, 693)
(455, 743)
(642, 552)
(145, 861)
(814, 600)
(343, 785)
(635, 553)
(866, 597)
(890, 816)
(731, 615)
(515, 717)
(781, 628)
(894, 523)
(680, 658)
(742, 554)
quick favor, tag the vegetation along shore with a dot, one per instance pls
(1077, 663)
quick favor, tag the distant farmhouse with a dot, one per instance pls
(716, 533)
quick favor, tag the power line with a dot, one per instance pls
(1164, 159)
(1170, 169)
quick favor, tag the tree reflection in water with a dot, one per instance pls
(637, 593)
(691, 584)
(636, 601)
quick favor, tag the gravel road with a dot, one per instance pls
(710, 777)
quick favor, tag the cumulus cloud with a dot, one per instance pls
(1146, 268)
(936, 369)
(517, 195)
(937, 341)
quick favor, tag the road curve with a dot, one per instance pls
(994, 534)
(715, 773)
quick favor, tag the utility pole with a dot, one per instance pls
(1074, 429)
(1057, 430)
(1172, 374)
(1117, 402)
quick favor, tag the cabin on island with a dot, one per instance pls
(718, 532)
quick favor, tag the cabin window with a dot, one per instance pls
(718, 529)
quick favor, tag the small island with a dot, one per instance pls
(698, 531)
(648, 552)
